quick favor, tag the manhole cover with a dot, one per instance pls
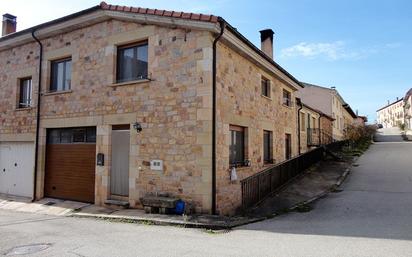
(49, 203)
(27, 249)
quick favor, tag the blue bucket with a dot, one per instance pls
(180, 207)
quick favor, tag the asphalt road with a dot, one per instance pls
(372, 216)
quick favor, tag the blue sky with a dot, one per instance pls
(361, 47)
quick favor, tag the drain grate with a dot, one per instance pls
(27, 249)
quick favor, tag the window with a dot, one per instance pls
(302, 122)
(288, 146)
(71, 135)
(25, 93)
(308, 121)
(132, 62)
(237, 146)
(267, 147)
(287, 98)
(61, 75)
(265, 87)
(313, 122)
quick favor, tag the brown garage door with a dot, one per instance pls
(70, 164)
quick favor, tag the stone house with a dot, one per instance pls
(315, 128)
(330, 102)
(113, 103)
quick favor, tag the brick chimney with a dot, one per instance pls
(9, 24)
(266, 39)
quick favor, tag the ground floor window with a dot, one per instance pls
(288, 146)
(71, 135)
(267, 147)
(237, 148)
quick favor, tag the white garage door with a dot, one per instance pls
(16, 168)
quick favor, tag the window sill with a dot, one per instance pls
(24, 109)
(288, 106)
(266, 97)
(139, 81)
(57, 92)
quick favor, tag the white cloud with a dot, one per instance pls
(332, 51)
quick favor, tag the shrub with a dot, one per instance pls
(358, 135)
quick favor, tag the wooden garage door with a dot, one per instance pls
(70, 164)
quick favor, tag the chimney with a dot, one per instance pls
(266, 39)
(9, 24)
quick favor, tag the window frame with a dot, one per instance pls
(265, 87)
(287, 100)
(135, 45)
(288, 146)
(53, 65)
(303, 122)
(268, 148)
(67, 135)
(21, 104)
(233, 130)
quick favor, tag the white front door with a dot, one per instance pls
(16, 168)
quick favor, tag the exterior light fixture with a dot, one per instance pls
(138, 127)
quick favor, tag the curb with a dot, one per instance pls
(153, 221)
(200, 225)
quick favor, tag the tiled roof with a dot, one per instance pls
(163, 13)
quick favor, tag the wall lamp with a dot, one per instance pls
(138, 127)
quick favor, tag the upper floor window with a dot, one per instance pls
(265, 84)
(25, 93)
(287, 98)
(61, 72)
(132, 62)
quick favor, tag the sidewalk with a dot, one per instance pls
(311, 185)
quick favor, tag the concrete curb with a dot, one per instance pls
(212, 226)
(165, 221)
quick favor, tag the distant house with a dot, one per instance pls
(331, 103)
(407, 110)
(392, 114)
(315, 128)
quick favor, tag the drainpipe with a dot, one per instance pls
(36, 144)
(300, 108)
(214, 122)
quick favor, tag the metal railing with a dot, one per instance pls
(260, 185)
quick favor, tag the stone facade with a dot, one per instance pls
(174, 107)
(240, 103)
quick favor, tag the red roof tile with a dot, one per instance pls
(164, 13)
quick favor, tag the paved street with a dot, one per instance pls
(372, 216)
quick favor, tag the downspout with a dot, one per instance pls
(36, 144)
(214, 121)
(300, 108)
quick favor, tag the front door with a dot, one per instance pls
(119, 176)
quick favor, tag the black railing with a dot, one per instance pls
(260, 185)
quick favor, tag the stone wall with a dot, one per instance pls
(174, 106)
(240, 102)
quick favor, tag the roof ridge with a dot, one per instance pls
(161, 12)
